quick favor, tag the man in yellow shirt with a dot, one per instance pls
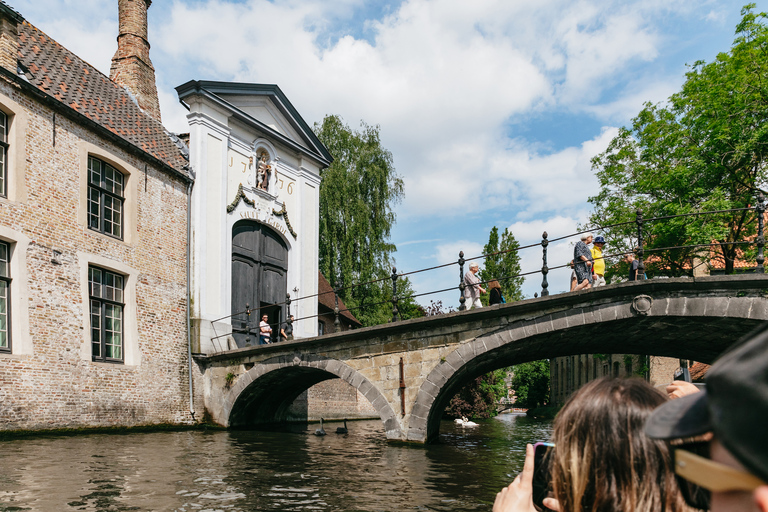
(598, 268)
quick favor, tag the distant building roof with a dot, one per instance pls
(63, 76)
(327, 299)
(698, 371)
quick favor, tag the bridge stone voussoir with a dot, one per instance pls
(695, 306)
(605, 312)
(391, 425)
(590, 318)
(659, 307)
(420, 410)
(438, 379)
(759, 309)
(528, 327)
(496, 340)
(717, 306)
(544, 324)
(559, 320)
(371, 394)
(365, 387)
(739, 307)
(379, 403)
(430, 389)
(466, 351)
(576, 318)
(346, 373)
(334, 366)
(455, 359)
(356, 380)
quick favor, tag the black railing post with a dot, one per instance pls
(462, 306)
(639, 249)
(287, 305)
(336, 322)
(760, 207)
(247, 324)
(394, 294)
(544, 267)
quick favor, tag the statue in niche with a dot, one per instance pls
(263, 172)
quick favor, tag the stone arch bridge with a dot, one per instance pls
(409, 370)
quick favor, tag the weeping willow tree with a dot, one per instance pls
(358, 194)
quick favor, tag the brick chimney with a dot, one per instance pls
(9, 37)
(131, 66)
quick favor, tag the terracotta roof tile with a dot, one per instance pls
(72, 81)
(326, 298)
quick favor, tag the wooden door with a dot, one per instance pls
(259, 268)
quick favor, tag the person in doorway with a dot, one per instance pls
(602, 460)
(633, 266)
(472, 288)
(494, 293)
(265, 331)
(719, 434)
(598, 267)
(582, 259)
(286, 333)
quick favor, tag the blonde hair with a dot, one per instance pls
(603, 461)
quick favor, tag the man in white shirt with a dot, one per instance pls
(472, 288)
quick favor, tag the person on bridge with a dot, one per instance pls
(472, 288)
(633, 266)
(286, 333)
(602, 460)
(598, 268)
(720, 433)
(582, 259)
(495, 296)
(265, 331)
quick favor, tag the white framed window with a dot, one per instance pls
(106, 187)
(5, 297)
(106, 297)
(4, 154)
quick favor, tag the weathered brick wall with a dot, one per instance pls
(335, 399)
(57, 385)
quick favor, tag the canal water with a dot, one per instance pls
(254, 471)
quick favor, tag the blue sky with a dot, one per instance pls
(492, 109)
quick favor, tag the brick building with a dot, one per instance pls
(569, 373)
(93, 238)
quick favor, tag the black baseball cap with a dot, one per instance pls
(734, 405)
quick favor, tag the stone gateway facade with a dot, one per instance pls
(124, 248)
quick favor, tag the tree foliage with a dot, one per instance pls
(530, 381)
(478, 398)
(704, 149)
(358, 193)
(500, 265)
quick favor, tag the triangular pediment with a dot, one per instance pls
(264, 106)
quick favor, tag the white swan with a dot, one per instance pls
(458, 421)
(320, 431)
(464, 422)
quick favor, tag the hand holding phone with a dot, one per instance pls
(542, 480)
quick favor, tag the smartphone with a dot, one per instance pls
(542, 480)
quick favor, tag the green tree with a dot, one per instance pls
(703, 149)
(530, 381)
(478, 399)
(358, 193)
(502, 262)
